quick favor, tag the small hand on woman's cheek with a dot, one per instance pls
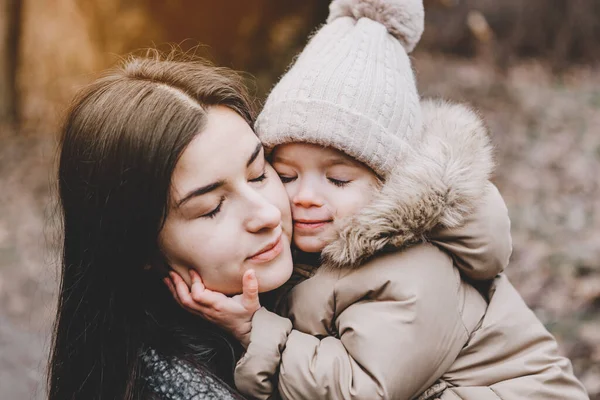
(233, 314)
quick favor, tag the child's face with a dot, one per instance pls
(323, 184)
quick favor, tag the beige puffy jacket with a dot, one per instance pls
(379, 324)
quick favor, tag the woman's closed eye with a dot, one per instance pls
(215, 211)
(259, 178)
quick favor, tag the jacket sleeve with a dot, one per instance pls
(391, 346)
(255, 373)
(482, 246)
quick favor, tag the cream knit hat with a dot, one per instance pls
(352, 87)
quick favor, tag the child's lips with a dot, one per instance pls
(308, 225)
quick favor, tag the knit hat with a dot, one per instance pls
(352, 87)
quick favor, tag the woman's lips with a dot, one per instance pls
(308, 225)
(269, 252)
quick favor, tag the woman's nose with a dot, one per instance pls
(262, 215)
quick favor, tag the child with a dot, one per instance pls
(394, 195)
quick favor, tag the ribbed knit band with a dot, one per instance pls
(327, 124)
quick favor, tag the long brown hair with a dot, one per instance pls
(120, 143)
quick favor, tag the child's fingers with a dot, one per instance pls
(201, 295)
(198, 287)
(208, 298)
(196, 279)
(171, 286)
(183, 292)
(250, 299)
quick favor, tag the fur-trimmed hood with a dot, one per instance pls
(439, 183)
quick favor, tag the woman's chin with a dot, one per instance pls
(266, 285)
(277, 274)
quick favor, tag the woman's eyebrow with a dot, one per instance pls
(200, 191)
(255, 154)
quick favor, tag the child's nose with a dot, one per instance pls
(306, 196)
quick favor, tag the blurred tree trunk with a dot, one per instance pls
(10, 26)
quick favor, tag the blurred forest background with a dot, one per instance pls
(530, 66)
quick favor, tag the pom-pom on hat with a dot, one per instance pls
(402, 19)
(352, 87)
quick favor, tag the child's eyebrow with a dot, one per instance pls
(282, 160)
(331, 162)
(327, 162)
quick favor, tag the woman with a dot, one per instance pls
(159, 166)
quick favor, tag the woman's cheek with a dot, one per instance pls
(221, 259)
(222, 243)
(276, 193)
(286, 211)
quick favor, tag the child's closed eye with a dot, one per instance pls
(339, 182)
(287, 179)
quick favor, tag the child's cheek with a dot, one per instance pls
(355, 200)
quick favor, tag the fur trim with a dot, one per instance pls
(438, 183)
(404, 19)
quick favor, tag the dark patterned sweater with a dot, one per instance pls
(169, 378)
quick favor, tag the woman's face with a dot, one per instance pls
(228, 210)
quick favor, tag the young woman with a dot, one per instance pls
(159, 166)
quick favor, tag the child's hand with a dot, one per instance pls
(234, 314)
